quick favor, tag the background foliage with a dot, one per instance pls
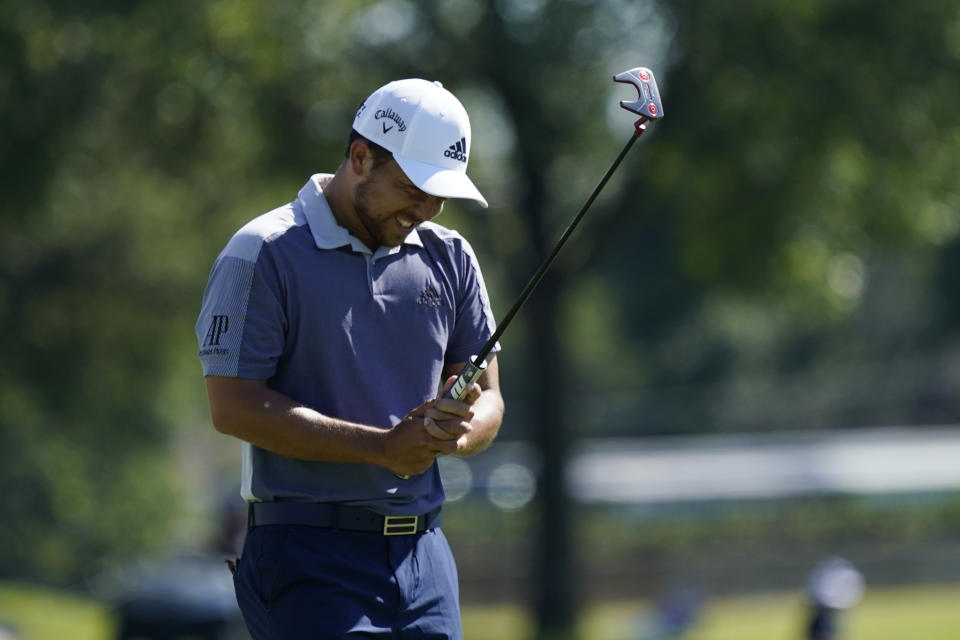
(779, 252)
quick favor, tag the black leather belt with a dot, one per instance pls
(335, 516)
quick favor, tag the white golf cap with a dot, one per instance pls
(427, 130)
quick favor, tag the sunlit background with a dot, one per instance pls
(734, 396)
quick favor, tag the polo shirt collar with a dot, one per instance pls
(327, 234)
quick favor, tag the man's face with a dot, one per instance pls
(389, 206)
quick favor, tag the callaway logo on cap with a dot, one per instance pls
(427, 130)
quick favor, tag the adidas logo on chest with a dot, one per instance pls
(430, 297)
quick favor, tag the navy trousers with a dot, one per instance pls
(295, 582)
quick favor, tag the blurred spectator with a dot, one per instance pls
(8, 632)
(231, 524)
(834, 585)
(675, 615)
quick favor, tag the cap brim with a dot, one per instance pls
(443, 183)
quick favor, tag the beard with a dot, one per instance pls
(361, 199)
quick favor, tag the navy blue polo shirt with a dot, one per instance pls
(363, 336)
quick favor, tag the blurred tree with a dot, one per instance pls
(796, 197)
(137, 137)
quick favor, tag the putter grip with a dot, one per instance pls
(470, 373)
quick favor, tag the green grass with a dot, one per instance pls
(42, 614)
(886, 613)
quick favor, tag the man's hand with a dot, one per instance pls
(449, 419)
(440, 425)
(250, 410)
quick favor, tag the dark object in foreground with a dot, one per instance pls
(182, 597)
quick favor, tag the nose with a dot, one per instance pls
(431, 207)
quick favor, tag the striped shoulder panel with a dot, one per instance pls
(247, 242)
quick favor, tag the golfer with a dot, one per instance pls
(326, 329)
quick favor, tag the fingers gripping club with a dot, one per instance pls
(470, 374)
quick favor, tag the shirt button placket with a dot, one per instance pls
(370, 282)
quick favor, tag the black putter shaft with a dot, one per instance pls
(475, 369)
(648, 107)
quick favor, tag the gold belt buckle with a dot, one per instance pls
(400, 525)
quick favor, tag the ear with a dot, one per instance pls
(360, 158)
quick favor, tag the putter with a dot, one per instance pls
(648, 107)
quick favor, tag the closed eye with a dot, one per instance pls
(413, 191)
(416, 194)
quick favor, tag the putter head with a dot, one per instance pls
(648, 103)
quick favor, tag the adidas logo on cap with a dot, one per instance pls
(457, 151)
